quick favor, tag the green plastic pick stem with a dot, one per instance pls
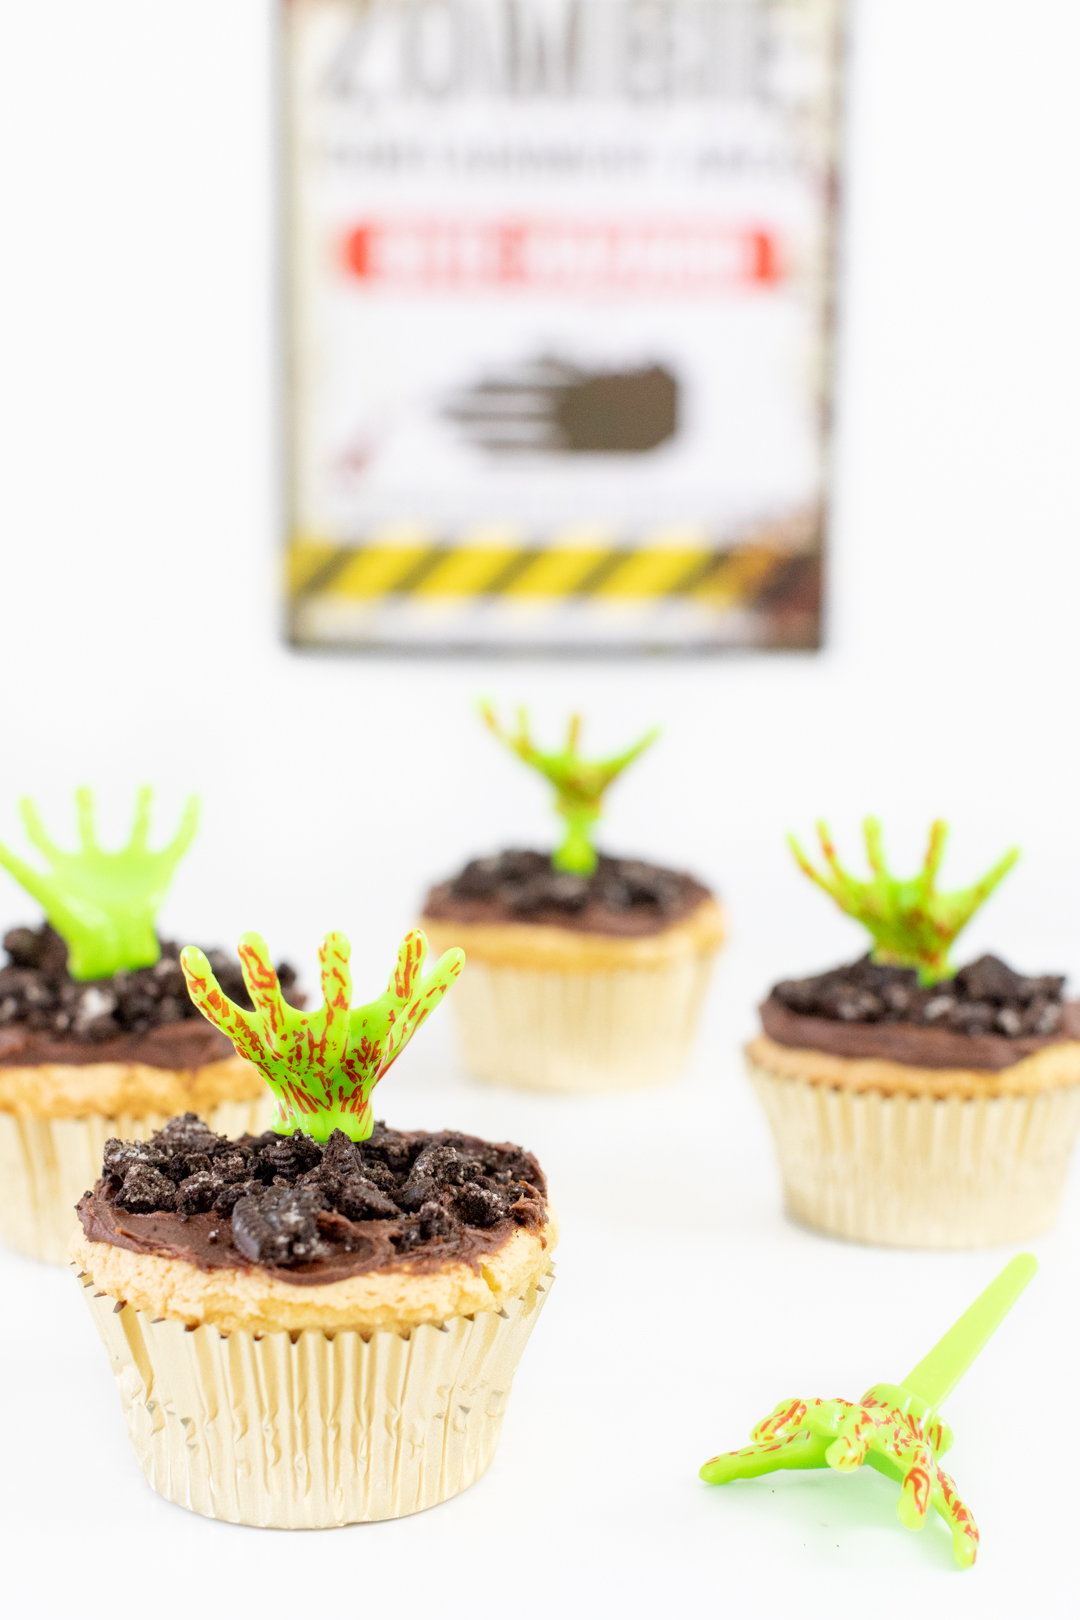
(895, 1428)
(938, 1373)
(323, 1066)
(912, 924)
(579, 784)
(577, 852)
(103, 904)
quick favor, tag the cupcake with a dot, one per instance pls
(912, 1103)
(98, 1036)
(319, 1325)
(586, 971)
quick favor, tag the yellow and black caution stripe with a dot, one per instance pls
(411, 571)
(370, 572)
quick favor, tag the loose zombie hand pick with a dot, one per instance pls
(895, 1428)
(323, 1066)
(911, 923)
(103, 904)
(579, 784)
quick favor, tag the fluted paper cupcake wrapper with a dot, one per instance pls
(920, 1172)
(304, 1431)
(47, 1164)
(599, 1031)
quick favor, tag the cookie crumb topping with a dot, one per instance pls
(290, 1201)
(37, 992)
(985, 998)
(525, 882)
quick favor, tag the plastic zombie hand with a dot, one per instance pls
(102, 903)
(889, 1428)
(579, 784)
(323, 1066)
(895, 1428)
(911, 923)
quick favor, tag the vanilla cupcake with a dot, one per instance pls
(320, 1325)
(911, 1104)
(98, 1036)
(586, 972)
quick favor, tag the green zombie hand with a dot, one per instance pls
(323, 1066)
(911, 923)
(103, 904)
(895, 1427)
(579, 784)
(889, 1428)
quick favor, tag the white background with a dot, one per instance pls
(140, 641)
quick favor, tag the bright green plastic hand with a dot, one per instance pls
(895, 1428)
(888, 1428)
(912, 925)
(323, 1066)
(103, 904)
(579, 784)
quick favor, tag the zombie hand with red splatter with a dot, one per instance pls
(911, 922)
(323, 1066)
(889, 1428)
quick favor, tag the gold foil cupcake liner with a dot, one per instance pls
(601, 1031)
(47, 1164)
(305, 1431)
(920, 1172)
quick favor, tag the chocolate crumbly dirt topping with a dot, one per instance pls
(286, 1201)
(984, 998)
(521, 885)
(38, 993)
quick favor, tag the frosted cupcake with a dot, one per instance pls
(98, 1036)
(910, 1103)
(586, 971)
(320, 1325)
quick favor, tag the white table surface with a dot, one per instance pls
(668, 1334)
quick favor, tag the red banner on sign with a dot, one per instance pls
(564, 255)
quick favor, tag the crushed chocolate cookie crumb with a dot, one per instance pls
(291, 1202)
(277, 1226)
(984, 998)
(521, 885)
(37, 992)
(525, 881)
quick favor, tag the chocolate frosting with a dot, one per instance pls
(205, 1241)
(189, 1044)
(309, 1212)
(627, 899)
(918, 1045)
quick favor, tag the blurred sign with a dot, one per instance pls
(559, 280)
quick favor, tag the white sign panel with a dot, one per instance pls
(559, 279)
